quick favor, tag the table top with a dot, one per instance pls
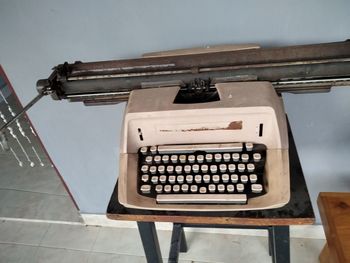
(335, 215)
(297, 212)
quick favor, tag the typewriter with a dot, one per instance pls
(225, 148)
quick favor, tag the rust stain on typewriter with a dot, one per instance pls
(234, 125)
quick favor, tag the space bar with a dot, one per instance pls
(201, 199)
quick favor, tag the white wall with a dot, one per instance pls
(83, 141)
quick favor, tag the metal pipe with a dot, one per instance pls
(27, 107)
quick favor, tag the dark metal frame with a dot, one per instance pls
(278, 238)
(296, 69)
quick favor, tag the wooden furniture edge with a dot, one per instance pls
(214, 220)
(331, 248)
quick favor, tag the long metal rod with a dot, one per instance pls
(27, 107)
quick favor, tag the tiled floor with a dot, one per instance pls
(42, 242)
(33, 192)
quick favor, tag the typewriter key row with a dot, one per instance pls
(195, 168)
(211, 188)
(200, 158)
(225, 178)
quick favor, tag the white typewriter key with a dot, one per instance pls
(195, 168)
(257, 188)
(191, 158)
(172, 179)
(143, 150)
(216, 178)
(253, 178)
(167, 188)
(153, 169)
(174, 158)
(144, 168)
(221, 188)
(244, 179)
(146, 189)
(176, 188)
(212, 188)
(178, 169)
(180, 179)
(245, 157)
(225, 178)
(234, 178)
(153, 149)
(198, 179)
(154, 179)
(182, 158)
(187, 169)
(213, 168)
(227, 157)
(165, 158)
(144, 178)
(200, 158)
(250, 167)
(218, 157)
(208, 157)
(204, 168)
(194, 188)
(240, 187)
(235, 157)
(257, 157)
(202, 190)
(249, 146)
(170, 169)
(159, 188)
(241, 167)
(162, 179)
(230, 188)
(223, 168)
(148, 159)
(232, 167)
(189, 179)
(161, 169)
(157, 159)
(206, 178)
(184, 188)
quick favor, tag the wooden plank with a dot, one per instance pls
(324, 255)
(214, 220)
(335, 214)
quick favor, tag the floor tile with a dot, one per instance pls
(306, 250)
(22, 232)
(13, 253)
(225, 248)
(29, 205)
(60, 255)
(70, 237)
(60, 208)
(119, 241)
(37, 179)
(114, 258)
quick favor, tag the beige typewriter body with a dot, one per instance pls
(236, 117)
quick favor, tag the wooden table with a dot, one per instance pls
(335, 215)
(277, 221)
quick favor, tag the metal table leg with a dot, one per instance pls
(280, 244)
(178, 243)
(269, 229)
(150, 242)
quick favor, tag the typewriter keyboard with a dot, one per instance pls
(228, 173)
